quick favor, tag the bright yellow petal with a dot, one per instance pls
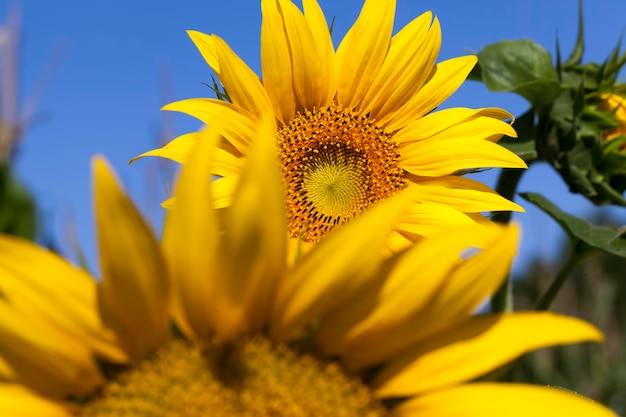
(334, 271)
(276, 62)
(448, 77)
(206, 45)
(237, 125)
(18, 401)
(241, 83)
(426, 219)
(178, 150)
(305, 59)
(191, 243)
(439, 157)
(40, 281)
(436, 122)
(498, 400)
(222, 190)
(43, 356)
(408, 63)
(474, 348)
(254, 242)
(362, 51)
(133, 296)
(477, 128)
(473, 281)
(464, 194)
(408, 287)
(452, 297)
(321, 33)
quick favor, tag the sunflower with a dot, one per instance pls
(617, 105)
(354, 126)
(213, 322)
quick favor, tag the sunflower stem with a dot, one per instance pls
(507, 184)
(578, 256)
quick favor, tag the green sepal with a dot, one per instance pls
(576, 56)
(524, 145)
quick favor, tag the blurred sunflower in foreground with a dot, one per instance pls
(213, 322)
(353, 126)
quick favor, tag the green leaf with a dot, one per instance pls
(520, 66)
(609, 239)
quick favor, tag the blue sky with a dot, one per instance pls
(105, 93)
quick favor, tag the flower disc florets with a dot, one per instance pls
(336, 163)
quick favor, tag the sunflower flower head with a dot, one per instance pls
(355, 125)
(614, 105)
(215, 321)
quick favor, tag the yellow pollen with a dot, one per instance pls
(252, 378)
(336, 163)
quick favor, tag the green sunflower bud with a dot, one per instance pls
(577, 116)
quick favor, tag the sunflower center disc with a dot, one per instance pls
(336, 163)
(253, 377)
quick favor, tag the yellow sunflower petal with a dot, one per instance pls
(168, 204)
(465, 194)
(407, 289)
(133, 296)
(178, 150)
(458, 293)
(206, 45)
(333, 271)
(276, 62)
(181, 149)
(405, 68)
(44, 357)
(497, 400)
(254, 246)
(448, 77)
(436, 122)
(473, 281)
(37, 279)
(242, 84)
(18, 401)
(363, 50)
(477, 128)
(397, 242)
(305, 59)
(191, 242)
(474, 348)
(436, 158)
(321, 33)
(424, 219)
(237, 125)
(222, 190)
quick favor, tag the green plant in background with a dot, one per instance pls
(576, 116)
(596, 291)
(17, 206)
(576, 122)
